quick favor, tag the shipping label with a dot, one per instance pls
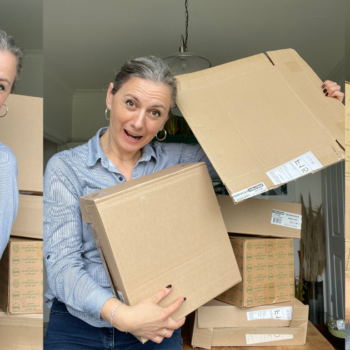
(249, 192)
(305, 164)
(283, 218)
(281, 313)
(265, 338)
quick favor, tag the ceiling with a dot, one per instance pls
(86, 41)
(24, 21)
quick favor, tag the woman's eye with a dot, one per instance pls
(130, 103)
(2, 87)
(155, 113)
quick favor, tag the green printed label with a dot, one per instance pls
(260, 278)
(271, 276)
(291, 264)
(15, 283)
(15, 271)
(270, 266)
(271, 298)
(291, 255)
(249, 246)
(16, 248)
(281, 255)
(249, 289)
(16, 295)
(16, 307)
(271, 287)
(281, 265)
(250, 301)
(270, 245)
(249, 256)
(291, 274)
(249, 278)
(270, 256)
(249, 268)
(259, 245)
(16, 260)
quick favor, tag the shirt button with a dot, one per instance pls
(120, 178)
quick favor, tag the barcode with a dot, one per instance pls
(278, 221)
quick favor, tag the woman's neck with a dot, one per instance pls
(120, 158)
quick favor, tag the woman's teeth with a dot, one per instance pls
(134, 137)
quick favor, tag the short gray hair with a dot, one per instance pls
(7, 44)
(149, 68)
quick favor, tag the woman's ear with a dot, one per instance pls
(109, 96)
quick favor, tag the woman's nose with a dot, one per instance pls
(138, 119)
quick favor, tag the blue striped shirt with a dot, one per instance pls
(8, 194)
(75, 272)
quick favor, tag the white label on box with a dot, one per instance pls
(121, 296)
(249, 192)
(281, 313)
(286, 219)
(305, 164)
(341, 325)
(265, 338)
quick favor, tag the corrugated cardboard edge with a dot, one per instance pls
(201, 338)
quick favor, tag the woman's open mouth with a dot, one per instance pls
(131, 136)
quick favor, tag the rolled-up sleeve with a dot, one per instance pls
(8, 194)
(68, 278)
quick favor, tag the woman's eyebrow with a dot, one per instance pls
(136, 99)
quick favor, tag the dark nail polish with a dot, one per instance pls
(325, 90)
(169, 286)
(184, 299)
(327, 94)
(323, 86)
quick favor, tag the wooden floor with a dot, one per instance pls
(314, 341)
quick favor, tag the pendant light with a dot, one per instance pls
(184, 62)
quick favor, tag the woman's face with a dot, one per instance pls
(138, 111)
(7, 74)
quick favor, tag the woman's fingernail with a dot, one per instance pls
(184, 299)
(323, 86)
(327, 94)
(324, 91)
(169, 286)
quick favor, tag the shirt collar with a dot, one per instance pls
(96, 153)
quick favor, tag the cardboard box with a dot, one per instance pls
(267, 270)
(21, 276)
(29, 220)
(160, 229)
(21, 332)
(261, 217)
(22, 131)
(270, 335)
(347, 178)
(263, 121)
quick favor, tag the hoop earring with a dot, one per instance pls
(106, 112)
(1, 116)
(165, 133)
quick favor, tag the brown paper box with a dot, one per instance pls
(160, 229)
(21, 332)
(21, 276)
(263, 121)
(29, 220)
(261, 217)
(270, 335)
(267, 270)
(22, 131)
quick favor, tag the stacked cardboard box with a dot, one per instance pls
(263, 121)
(21, 266)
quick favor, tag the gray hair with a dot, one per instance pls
(7, 44)
(149, 68)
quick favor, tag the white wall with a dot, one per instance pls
(58, 106)
(88, 114)
(32, 79)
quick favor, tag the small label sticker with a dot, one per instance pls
(281, 313)
(305, 164)
(341, 325)
(121, 296)
(283, 218)
(249, 192)
(265, 338)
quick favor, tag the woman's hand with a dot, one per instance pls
(145, 319)
(332, 89)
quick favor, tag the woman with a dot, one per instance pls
(11, 59)
(88, 315)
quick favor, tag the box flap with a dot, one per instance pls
(261, 217)
(201, 338)
(250, 121)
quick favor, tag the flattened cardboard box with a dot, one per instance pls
(263, 121)
(22, 131)
(294, 334)
(21, 332)
(21, 276)
(267, 270)
(29, 220)
(160, 229)
(261, 217)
